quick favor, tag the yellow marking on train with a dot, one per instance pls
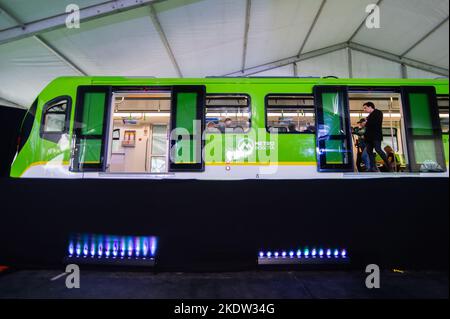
(41, 163)
(261, 164)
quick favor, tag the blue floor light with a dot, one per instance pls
(127, 250)
(305, 255)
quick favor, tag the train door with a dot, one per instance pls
(389, 102)
(139, 131)
(92, 112)
(333, 130)
(186, 129)
(423, 129)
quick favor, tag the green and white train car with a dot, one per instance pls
(276, 128)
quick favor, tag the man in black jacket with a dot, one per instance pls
(374, 136)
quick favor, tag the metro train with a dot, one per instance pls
(277, 128)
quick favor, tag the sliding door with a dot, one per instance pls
(92, 111)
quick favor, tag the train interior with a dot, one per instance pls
(393, 128)
(140, 124)
(290, 114)
(139, 134)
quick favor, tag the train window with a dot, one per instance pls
(228, 113)
(55, 119)
(290, 114)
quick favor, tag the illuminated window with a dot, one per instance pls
(227, 114)
(290, 114)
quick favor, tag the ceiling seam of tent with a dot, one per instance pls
(400, 60)
(164, 40)
(61, 56)
(426, 36)
(71, 64)
(354, 46)
(13, 18)
(354, 34)
(87, 14)
(290, 60)
(246, 32)
(316, 18)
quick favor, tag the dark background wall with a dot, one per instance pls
(11, 119)
(222, 225)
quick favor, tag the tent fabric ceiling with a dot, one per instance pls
(277, 29)
(337, 23)
(126, 43)
(403, 23)
(207, 37)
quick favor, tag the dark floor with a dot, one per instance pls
(242, 285)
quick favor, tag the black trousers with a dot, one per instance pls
(376, 145)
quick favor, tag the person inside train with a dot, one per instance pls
(394, 166)
(292, 128)
(374, 135)
(227, 126)
(211, 128)
(309, 128)
(360, 144)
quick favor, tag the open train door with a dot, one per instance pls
(186, 129)
(423, 130)
(333, 130)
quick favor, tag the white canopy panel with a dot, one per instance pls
(337, 23)
(125, 44)
(366, 66)
(433, 50)
(414, 73)
(332, 64)
(206, 36)
(287, 70)
(278, 28)
(26, 68)
(403, 23)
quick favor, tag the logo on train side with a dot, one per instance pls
(246, 145)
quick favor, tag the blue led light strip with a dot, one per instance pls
(306, 255)
(112, 247)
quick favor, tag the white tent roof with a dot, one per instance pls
(197, 38)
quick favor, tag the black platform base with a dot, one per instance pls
(216, 225)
